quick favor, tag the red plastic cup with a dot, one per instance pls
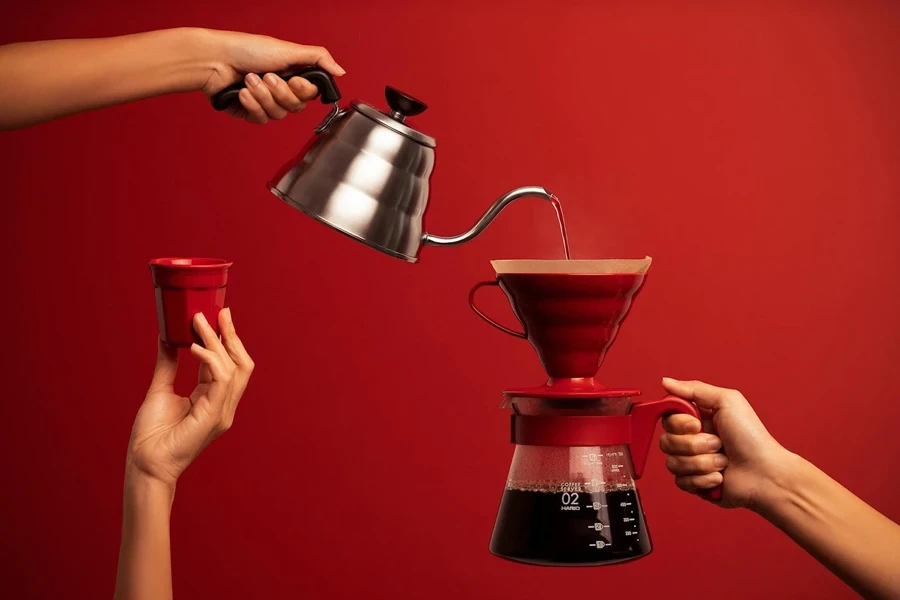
(184, 287)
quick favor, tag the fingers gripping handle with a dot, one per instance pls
(486, 318)
(715, 493)
(322, 79)
(644, 418)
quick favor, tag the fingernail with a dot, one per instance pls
(714, 444)
(252, 79)
(228, 313)
(202, 318)
(721, 461)
(340, 69)
(271, 80)
(669, 380)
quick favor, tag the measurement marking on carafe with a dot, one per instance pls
(598, 506)
(599, 544)
(596, 526)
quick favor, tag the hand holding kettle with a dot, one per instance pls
(48, 80)
(270, 96)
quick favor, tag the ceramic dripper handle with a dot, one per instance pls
(486, 318)
(322, 79)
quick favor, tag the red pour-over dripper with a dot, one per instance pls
(571, 312)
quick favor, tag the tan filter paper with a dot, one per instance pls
(588, 267)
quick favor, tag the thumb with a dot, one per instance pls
(704, 395)
(315, 55)
(166, 368)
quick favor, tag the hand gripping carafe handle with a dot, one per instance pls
(644, 416)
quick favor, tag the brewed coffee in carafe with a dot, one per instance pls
(570, 506)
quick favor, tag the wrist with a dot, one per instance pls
(778, 484)
(142, 488)
(213, 51)
(202, 55)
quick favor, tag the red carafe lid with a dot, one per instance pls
(571, 388)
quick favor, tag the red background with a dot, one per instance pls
(752, 150)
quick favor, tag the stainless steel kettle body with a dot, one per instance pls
(364, 176)
(367, 173)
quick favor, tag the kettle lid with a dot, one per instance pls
(402, 106)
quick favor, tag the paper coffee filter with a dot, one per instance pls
(590, 267)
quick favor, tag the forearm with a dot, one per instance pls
(52, 79)
(849, 537)
(145, 566)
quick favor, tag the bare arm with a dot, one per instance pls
(850, 538)
(145, 563)
(47, 80)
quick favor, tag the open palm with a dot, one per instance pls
(171, 430)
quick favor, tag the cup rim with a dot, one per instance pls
(191, 263)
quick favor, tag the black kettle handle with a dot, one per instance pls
(322, 79)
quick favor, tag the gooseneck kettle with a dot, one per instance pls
(367, 173)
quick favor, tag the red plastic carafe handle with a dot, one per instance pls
(644, 417)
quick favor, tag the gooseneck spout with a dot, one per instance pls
(491, 214)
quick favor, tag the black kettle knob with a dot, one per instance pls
(403, 105)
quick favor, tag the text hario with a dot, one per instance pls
(570, 501)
